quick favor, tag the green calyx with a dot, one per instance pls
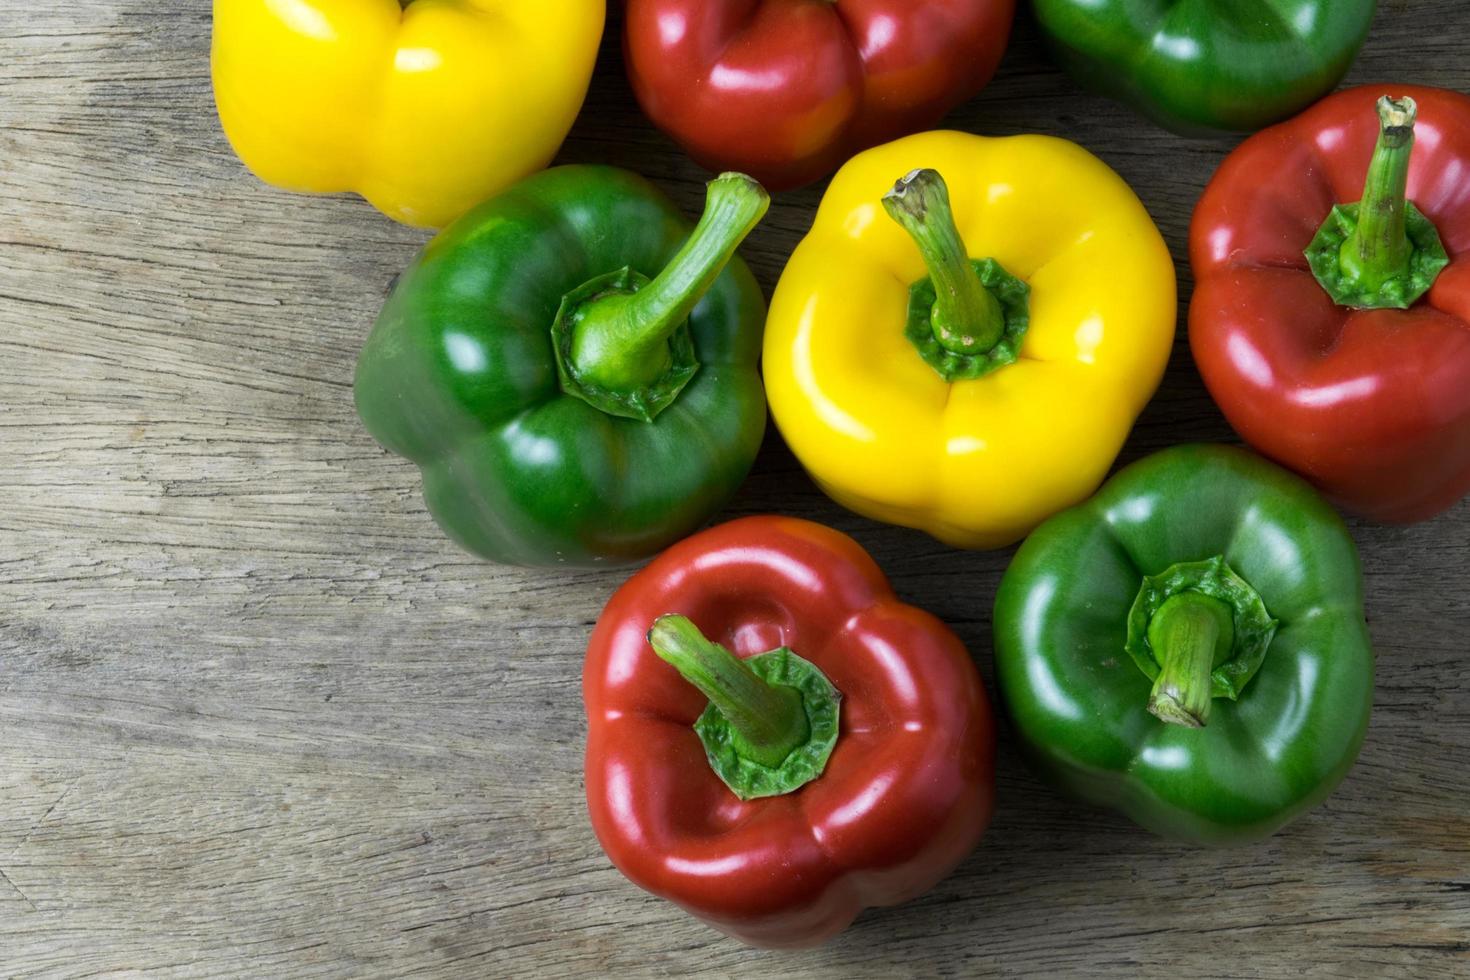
(1199, 632)
(622, 341)
(1381, 253)
(968, 317)
(772, 720)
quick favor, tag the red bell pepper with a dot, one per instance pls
(772, 793)
(787, 90)
(1335, 337)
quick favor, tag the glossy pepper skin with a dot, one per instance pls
(1371, 405)
(424, 108)
(1080, 703)
(904, 797)
(787, 90)
(979, 461)
(1197, 66)
(462, 374)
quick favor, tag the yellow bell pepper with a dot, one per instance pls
(971, 399)
(425, 107)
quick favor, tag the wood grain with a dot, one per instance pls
(259, 718)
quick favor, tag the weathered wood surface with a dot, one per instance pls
(259, 718)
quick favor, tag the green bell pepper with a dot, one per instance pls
(572, 369)
(1196, 66)
(1189, 646)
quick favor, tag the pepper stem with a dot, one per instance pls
(769, 719)
(966, 319)
(1379, 249)
(1190, 634)
(1380, 253)
(621, 340)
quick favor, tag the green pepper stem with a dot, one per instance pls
(1190, 634)
(621, 339)
(966, 319)
(1379, 250)
(770, 719)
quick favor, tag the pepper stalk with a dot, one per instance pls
(772, 719)
(1198, 631)
(1382, 252)
(621, 337)
(968, 317)
(768, 720)
(622, 341)
(1379, 248)
(1191, 635)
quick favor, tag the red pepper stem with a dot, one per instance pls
(1379, 249)
(1190, 635)
(770, 719)
(621, 339)
(966, 318)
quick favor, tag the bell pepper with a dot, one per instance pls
(573, 369)
(1201, 66)
(787, 90)
(425, 108)
(971, 398)
(1189, 647)
(775, 741)
(1331, 320)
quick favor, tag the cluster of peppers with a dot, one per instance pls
(961, 344)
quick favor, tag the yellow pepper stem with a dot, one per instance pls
(967, 318)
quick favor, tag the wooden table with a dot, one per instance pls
(259, 718)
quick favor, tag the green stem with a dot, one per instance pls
(1379, 249)
(621, 339)
(967, 319)
(1190, 634)
(769, 719)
